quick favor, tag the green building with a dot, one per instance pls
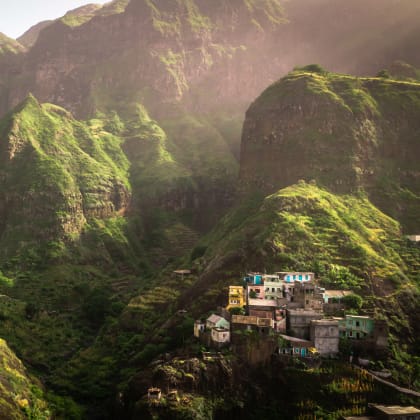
(356, 326)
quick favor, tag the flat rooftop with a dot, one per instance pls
(396, 409)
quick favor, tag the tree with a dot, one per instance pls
(237, 311)
(384, 74)
(352, 301)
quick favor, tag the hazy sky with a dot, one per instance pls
(16, 16)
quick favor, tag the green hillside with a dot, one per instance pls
(20, 395)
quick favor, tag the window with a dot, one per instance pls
(306, 276)
(273, 289)
(300, 277)
(357, 324)
(288, 278)
(350, 333)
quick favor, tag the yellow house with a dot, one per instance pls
(236, 297)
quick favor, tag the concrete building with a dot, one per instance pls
(255, 291)
(293, 346)
(199, 328)
(243, 322)
(236, 298)
(273, 287)
(356, 326)
(298, 322)
(394, 412)
(220, 337)
(335, 296)
(308, 296)
(413, 238)
(216, 321)
(324, 333)
(253, 278)
(290, 277)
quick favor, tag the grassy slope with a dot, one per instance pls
(343, 238)
(20, 395)
(9, 45)
(52, 283)
(81, 15)
(304, 227)
(67, 264)
(300, 227)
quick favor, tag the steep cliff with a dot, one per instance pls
(153, 52)
(55, 174)
(202, 54)
(20, 396)
(345, 132)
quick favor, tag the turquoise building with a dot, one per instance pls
(356, 326)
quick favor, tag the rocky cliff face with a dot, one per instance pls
(154, 52)
(345, 132)
(200, 54)
(55, 174)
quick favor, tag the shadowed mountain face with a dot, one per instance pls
(345, 132)
(202, 54)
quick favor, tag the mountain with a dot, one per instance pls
(56, 173)
(202, 55)
(9, 45)
(344, 239)
(119, 159)
(20, 395)
(345, 132)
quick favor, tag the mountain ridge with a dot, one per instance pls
(298, 124)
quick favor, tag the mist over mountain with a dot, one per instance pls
(144, 136)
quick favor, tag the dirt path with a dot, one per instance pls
(398, 388)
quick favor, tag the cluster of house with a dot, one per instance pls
(292, 306)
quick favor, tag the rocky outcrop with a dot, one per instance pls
(346, 133)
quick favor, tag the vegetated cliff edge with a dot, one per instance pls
(55, 173)
(345, 132)
(20, 397)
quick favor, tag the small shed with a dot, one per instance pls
(220, 337)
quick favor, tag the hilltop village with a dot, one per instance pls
(290, 314)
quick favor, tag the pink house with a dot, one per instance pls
(255, 291)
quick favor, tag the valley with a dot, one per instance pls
(153, 152)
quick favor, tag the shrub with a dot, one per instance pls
(353, 301)
(312, 68)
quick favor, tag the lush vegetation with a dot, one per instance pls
(20, 395)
